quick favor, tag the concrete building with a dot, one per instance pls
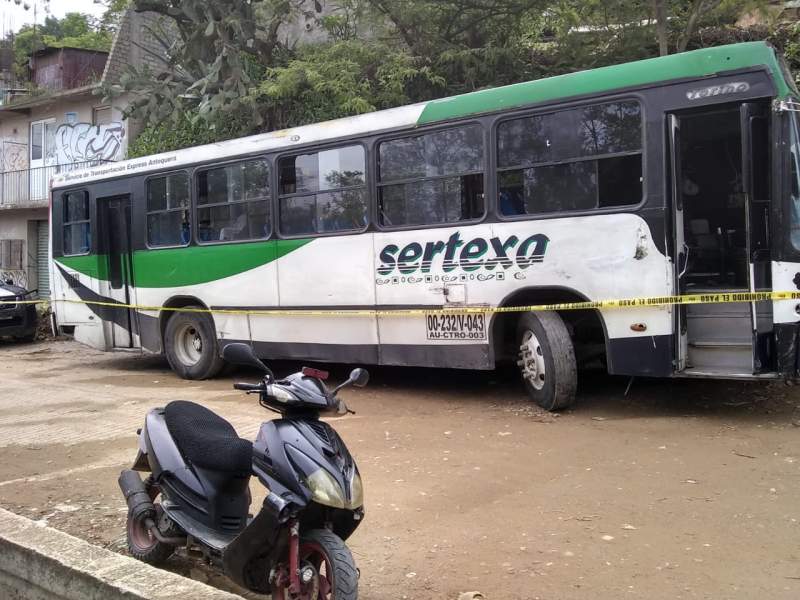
(57, 124)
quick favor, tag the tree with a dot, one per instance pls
(214, 52)
(230, 68)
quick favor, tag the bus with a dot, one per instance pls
(406, 229)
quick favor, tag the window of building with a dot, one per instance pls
(432, 178)
(233, 202)
(12, 255)
(323, 192)
(168, 210)
(76, 223)
(572, 160)
(101, 115)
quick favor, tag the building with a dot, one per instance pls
(56, 123)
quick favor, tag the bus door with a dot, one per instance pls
(115, 244)
(720, 182)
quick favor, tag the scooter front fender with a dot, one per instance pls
(249, 558)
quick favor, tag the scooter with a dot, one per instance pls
(197, 495)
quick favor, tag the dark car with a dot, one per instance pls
(17, 320)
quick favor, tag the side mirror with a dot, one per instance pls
(242, 354)
(359, 377)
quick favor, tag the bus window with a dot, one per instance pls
(578, 159)
(233, 202)
(432, 178)
(77, 228)
(168, 210)
(794, 173)
(323, 192)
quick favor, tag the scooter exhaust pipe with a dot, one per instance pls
(141, 507)
(139, 504)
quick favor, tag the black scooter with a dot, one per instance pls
(197, 494)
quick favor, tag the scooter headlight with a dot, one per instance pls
(356, 492)
(324, 489)
(280, 394)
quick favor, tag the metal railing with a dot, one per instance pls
(30, 187)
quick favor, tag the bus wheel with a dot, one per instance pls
(190, 343)
(547, 359)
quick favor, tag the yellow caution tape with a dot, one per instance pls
(708, 298)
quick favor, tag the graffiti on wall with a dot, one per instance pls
(84, 142)
(13, 156)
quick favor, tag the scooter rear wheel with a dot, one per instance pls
(334, 577)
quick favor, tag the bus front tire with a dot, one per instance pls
(190, 343)
(546, 358)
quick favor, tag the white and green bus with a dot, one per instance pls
(674, 175)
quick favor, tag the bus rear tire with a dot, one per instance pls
(190, 343)
(546, 358)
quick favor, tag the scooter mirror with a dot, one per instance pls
(242, 354)
(359, 377)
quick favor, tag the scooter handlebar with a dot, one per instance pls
(249, 387)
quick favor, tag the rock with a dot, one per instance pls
(470, 596)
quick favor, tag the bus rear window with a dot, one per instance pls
(572, 160)
(432, 179)
(77, 225)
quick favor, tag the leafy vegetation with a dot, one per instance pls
(237, 67)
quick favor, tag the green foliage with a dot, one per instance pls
(232, 68)
(180, 133)
(339, 79)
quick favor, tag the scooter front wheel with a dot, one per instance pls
(329, 571)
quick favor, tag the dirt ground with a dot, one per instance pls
(682, 489)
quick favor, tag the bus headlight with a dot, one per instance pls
(324, 489)
(356, 492)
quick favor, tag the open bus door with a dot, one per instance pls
(681, 249)
(115, 240)
(721, 189)
(756, 183)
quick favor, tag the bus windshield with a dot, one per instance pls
(794, 160)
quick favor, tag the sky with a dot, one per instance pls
(13, 15)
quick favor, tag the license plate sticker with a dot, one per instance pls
(456, 327)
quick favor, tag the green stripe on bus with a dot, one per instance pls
(179, 267)
(698, 63)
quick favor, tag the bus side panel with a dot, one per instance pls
(599, 257)
(327, 272)
(422, 268)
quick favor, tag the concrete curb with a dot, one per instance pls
(41, 563)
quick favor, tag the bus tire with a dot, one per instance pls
(190, 343)
(546, 359)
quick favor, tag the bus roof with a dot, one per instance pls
(686, 65)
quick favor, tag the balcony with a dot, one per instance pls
(29, 188)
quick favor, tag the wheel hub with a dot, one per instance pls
(188, 345)
(531, 360)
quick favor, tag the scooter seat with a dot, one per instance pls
(206, 440)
